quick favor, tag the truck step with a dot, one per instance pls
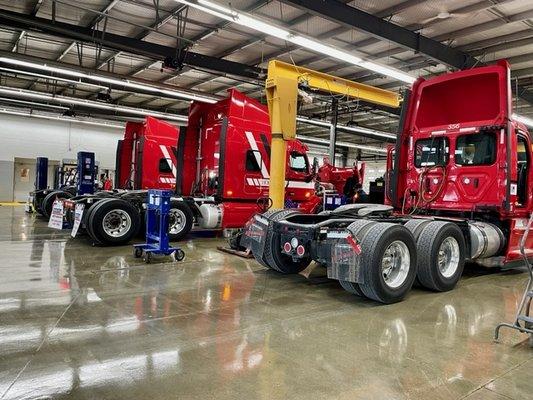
(525, 319)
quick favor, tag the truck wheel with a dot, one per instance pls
(48, 201)
(274, 258)
(180, 220)
(357, 228)
(86, 220)
(113, 222)
(388, 259)
(441, 256)
(415, 226)
(268, 214)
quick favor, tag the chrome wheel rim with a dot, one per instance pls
(395, 264)
(176, 221)
(116, 223)
(448, 257)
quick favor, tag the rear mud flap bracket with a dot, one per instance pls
(344, 263)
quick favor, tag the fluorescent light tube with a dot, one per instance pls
(91, 104)
(178, 94)
(314, 45)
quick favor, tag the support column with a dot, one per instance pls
(333, 130)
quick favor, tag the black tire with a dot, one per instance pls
(357, 228)
(268, 214)
(428, 245)
(48, 201)
(86, 219)
(147, 258)
(373, 245)
(124, 234)
(274, 258)
(137, 252)
(416, 226)
(179, 209)
(179, 255)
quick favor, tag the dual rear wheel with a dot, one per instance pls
(392, 256)
(433, 256)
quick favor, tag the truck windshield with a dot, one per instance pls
(298, 162)
(431, 152)
(476, 149)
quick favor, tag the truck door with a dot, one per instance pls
(523, 168)
(479, 173)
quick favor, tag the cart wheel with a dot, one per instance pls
(179, 255)
(147, 257)
(137, 252)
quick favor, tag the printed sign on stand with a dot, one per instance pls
(56, 218)
(78, 214)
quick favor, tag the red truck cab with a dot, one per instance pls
(461, 154)
(146, 156)
(224, 154)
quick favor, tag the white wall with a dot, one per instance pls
(25, 137)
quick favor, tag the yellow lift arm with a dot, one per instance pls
(283, 81)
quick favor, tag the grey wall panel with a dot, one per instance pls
(6, 180)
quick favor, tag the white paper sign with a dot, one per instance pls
(56, 218)
(78, 214)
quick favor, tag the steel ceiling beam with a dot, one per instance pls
(91, 24)
(36, 7)
(121, 43)
(351, 17)
(354, 18)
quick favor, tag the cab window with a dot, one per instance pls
(431, 152)
(251, 161)
(476, 149)
(164, 168)
(298, 162)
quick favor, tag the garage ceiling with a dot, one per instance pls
(486, 29)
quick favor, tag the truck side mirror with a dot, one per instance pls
(314, 168)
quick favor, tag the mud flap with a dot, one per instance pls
(343, 261)
(254, 235)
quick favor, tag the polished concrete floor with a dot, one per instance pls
(83, 322)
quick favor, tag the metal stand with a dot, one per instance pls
(523, 321)
(157, 242)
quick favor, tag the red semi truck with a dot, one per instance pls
(459, 188)
(219, 170)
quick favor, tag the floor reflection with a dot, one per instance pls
(107, 325)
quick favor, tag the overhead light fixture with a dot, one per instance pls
(325, 142)
(346, 128)
(31, 114)
(55, 78)
(90, 104)
(314, 45)
(173, 93)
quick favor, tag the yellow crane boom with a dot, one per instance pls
(283, 81)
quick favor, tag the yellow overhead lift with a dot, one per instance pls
(282, 85)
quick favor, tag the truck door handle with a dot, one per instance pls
(476, 182)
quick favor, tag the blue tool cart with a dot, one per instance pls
(157, 242)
